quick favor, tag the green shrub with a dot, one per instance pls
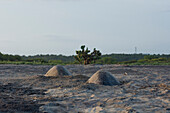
(85, 57)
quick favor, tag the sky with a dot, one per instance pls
(30, 27)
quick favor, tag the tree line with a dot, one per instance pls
(6, 57)
(84, 56)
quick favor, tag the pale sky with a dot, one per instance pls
(29, 27)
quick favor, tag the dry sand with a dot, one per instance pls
(143, 89)
(57, 71)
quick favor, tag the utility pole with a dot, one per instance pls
(135, 50)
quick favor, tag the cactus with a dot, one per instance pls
(85, 57)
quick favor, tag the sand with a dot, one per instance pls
(57, 70)
(103, 77)
(143, 89)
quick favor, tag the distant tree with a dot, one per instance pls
(1, 56)
(85, 57)
(36, 60)
(149, 57)
(17, 58)
(107, 60)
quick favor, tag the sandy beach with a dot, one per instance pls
(142, 89)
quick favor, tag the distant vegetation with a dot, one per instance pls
(127, 59)
(6, 57)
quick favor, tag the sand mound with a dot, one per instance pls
(57, 71)
(102, 77)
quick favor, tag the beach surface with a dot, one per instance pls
(142, 89)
